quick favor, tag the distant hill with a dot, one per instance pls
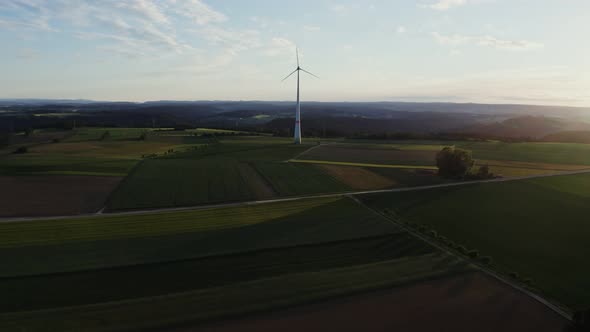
(326, 118)
(572, 136)
(526, 126)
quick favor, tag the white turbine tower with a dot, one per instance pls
(297, 134)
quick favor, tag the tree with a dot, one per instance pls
(453, 162)
(105, 136)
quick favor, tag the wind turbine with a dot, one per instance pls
(297, 135)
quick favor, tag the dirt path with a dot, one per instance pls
(470, 302)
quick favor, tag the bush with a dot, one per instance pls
(22, 149)
(486, 260)
(473, 254)
(56, 140)
(453, 162)
(514, 275)
(432, 233)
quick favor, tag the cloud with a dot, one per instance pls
(445, 4)
(487, 41)
(231, 39)
(145, 9)
(142, 27)
(401, 29)
(338, 8)
(198, 11)
(279, 47)
(311, 28)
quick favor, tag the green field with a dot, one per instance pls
(289, 179)
(537, 228)
(237, 298)
(90, 243)
(227, 171)
(68, 289)
(373, 154)
(89, 157)
(216, 260)
(556, 153)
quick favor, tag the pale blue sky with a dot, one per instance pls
(497, 51)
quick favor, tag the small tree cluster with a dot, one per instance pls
(453, 162)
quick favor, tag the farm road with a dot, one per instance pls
(102, 213)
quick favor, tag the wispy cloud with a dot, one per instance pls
(444, 4)
(487, 41)
(132, 27)
(197, 11)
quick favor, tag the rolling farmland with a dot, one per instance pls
(543, 237)
(207, 258)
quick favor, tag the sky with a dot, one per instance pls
(486, 51)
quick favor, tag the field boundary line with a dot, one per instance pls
(304, 152)
(345, 163)
(293, 198)
(557, 309)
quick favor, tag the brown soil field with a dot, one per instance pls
(262, 189)
(470, 302)
(53, 195)
(358, 178)
(374, 156)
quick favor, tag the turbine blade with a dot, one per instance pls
(309, 73)
(289, 75)
(297, 55)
